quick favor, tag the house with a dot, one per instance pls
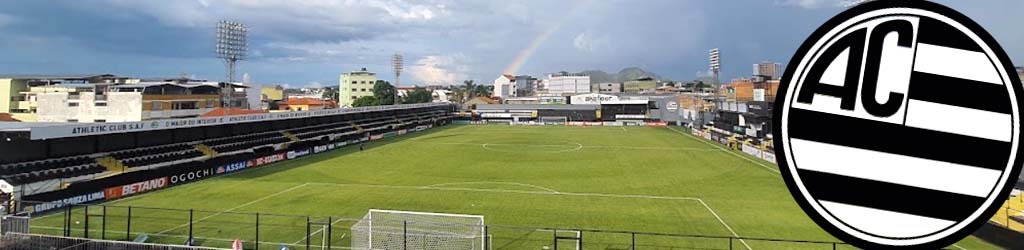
(305, 104)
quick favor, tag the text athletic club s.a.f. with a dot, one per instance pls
(899, 125)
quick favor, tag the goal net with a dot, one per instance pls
(554, 120)
(390, 229)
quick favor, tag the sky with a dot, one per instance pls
(311, 42)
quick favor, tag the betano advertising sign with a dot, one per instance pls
(135, 188)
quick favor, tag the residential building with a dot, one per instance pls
(525, 85)
(130, 102)
(18, 92)
(504, 86)
(642, 85)
(747, 90)
(772, 70)
(440, 95)
(306, 104)
(270, 96)
(354, 85)
(565, 83)
(607, 88)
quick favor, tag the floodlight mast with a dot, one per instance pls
(396, 65)
(232, 45)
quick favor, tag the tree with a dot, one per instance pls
(330, 94)
(469, 88)
(418, 95)
(365, 101)
(384, 93)
(482, 90)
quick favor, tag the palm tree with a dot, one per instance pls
(482, 90)
(469, 89)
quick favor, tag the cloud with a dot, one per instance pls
(441, 69)
(814, 4)
(6, 20)
(587, 43)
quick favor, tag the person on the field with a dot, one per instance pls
(361, 146)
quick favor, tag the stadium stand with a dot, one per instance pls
(52, 169)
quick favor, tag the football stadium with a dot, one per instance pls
(416, 176)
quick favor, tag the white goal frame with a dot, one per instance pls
(370, 218)
(563, 119)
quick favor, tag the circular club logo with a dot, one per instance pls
(899, 125)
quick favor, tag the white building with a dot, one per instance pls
(504, 86)
(564, 83)
(130, 102)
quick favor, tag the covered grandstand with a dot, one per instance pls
(627, 110)
(58, 164)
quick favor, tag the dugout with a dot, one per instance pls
(535, 112)
(625, 110)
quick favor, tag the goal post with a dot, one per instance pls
(554, 120)
(392, 229)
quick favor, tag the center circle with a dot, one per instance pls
(533, 146)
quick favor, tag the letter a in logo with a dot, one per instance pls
(899, 125)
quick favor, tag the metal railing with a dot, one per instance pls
(24, 241)
(274, 231)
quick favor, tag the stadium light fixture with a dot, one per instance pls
(232, 45)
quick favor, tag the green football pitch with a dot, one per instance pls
(521, 179)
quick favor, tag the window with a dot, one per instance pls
(363, 90)
(100, 120)
(354, 90)
(209, 103)
(101, 104)
(72, 104)
(157, 106)
(185, 105)
(72, 120)
(354, 82)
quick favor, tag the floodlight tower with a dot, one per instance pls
(232, 44)
(396, 66)
(716, 63)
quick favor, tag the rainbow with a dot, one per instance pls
(525, 54)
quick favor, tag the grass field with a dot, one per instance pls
(613, 178)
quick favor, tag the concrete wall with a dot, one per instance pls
(120, 107)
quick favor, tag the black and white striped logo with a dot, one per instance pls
(899, 125)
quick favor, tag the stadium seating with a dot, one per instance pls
(143, 158)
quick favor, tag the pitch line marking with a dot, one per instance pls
(496, 182)
(318, 231)
(723, 223)
(584, 146)
(577, 148)
(729, 151)
(509, 191)
(237, 207)
(156, 191)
